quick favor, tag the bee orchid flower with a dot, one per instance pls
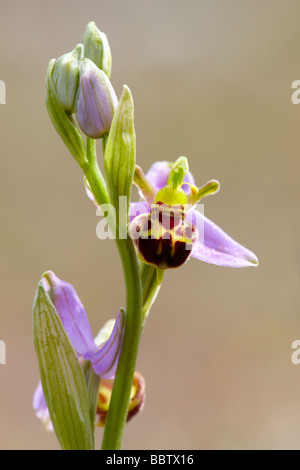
(173, 187)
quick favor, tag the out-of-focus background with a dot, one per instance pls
(211, 80)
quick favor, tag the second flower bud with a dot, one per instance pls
(96, 101)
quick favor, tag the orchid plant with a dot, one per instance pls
(86, 381)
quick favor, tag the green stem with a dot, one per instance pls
(142, 287)
(148, 283)
(151, 282)
(117, 414)
(94, 175)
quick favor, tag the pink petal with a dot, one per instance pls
(217, 247)
(137, 208)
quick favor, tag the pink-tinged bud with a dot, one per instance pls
(96, 101)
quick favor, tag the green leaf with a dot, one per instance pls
(63, 122)
(119, 156)
(61, 376)
(92, 381)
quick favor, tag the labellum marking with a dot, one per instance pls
(163, 237)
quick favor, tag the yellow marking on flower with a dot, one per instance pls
(137, 397)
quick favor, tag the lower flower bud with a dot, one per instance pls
(137, 398)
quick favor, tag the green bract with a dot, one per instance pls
(119, 156)
(62, 377)
(65, 76)
(63, 122)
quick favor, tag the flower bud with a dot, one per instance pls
(96, 48)
(63, 121)
(96, 101)
(65, 77)
(136, 403)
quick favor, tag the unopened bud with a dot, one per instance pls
(96, 101)
(65, 77)
(136, 403)
(96, 48)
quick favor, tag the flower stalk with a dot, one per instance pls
(117, 414)
(162, 231)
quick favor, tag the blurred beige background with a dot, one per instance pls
(211, 80)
